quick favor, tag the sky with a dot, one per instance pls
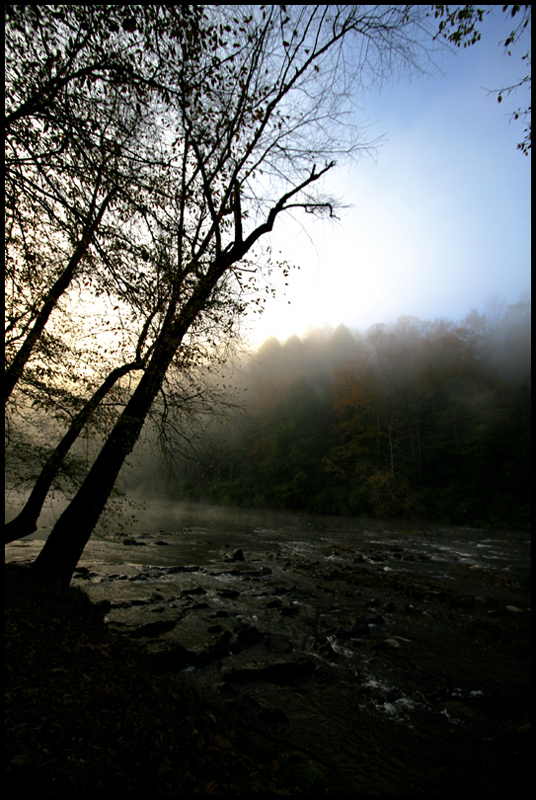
(439, 218)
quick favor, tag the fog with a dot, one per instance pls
(441, 397)
(417, 419)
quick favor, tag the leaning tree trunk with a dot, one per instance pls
(63, 548)
(66, 543)
(25, 522)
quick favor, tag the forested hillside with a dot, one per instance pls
(417, 419)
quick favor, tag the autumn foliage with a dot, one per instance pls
(414, 420)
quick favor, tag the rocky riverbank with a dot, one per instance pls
(371, 665)
(86, 715)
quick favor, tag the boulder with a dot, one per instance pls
(152, 629)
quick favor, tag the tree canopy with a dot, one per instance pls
(458, 25)
(149, 152)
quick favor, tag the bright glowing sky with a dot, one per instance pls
(440, 220)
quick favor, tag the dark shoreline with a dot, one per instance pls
(453, 646)
(85, 714)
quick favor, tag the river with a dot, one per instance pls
(394, 655)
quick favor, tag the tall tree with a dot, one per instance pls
(81, 160)
(255, 114)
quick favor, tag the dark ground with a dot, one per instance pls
(84, 713)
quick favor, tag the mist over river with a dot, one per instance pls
(199, 533)
(395, 655)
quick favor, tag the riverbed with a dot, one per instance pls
(393, 658)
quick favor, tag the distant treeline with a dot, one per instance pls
(425, 420)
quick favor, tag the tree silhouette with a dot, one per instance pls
(250, 114)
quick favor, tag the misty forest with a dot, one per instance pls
(150, 150)
(134, 215)
(425, 420)
(416, 420)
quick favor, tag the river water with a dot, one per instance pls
(200, 534)
(380, 652)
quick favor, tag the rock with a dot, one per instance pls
(133, 543)
(256, 573)
(103, 606)
(387, 644)
(178, 570)
(273, 716)
(232, 572)
(377, 620)
(195, 591)
(152, 629)
(282, 673)
(172, 660)
(277, 643)
(131, 603)
(229, 594)
(238, 555)
(248, 634)
(290, 611)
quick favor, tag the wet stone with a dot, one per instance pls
(348, 657)
(152, 629)
(215, 629)
(229, 594)
(248, 634)
(197, 590)
(277, 643)
(281, 673)
(174, 660)
(290, 611)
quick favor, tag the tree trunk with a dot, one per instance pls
(63, 548)
(66, 543)
(25, 522)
